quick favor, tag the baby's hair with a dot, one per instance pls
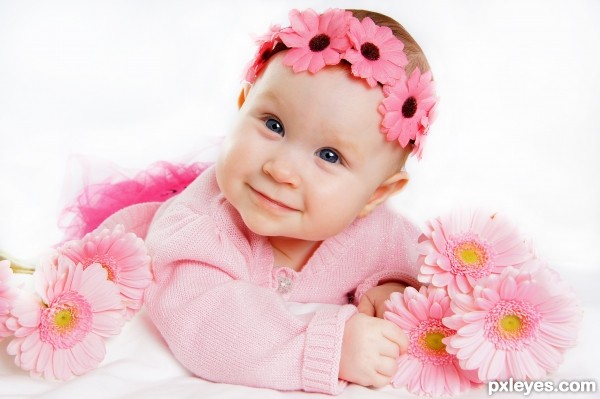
(414, 53)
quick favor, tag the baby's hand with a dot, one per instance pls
(372, 302)
(370, 349)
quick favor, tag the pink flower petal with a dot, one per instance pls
(531, 369)
(475, 316)
(59, 365)
(560, 335)
(508, 288)
(515, 366)
(44, 358)
(468, 338)
(478, 357)
(471, 330)
(546, 356)
(463, 284)
(418, 309)
(442, 279)
(493, 365)
(468, 351)
(436, 311)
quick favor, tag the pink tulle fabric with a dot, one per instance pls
(96, 202)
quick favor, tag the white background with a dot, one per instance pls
(133, 82)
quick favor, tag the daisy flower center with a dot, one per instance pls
(63, 318)
(409, 108)
(433, 341)
(266, 52)
(512, 325)
(369, 51)
(469, 256)
(319, 43)
(425, 343)
(66, 321)
(108, 263)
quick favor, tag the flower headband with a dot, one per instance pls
(375, 54)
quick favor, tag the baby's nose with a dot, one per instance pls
(283, 170)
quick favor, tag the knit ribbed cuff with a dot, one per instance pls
(323, 349)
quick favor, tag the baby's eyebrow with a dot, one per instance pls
(270, 96)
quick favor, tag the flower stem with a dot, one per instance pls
(16, 266)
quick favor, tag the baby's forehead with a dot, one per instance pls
(332, 80)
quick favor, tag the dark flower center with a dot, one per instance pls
(265, 54)
(369, 51)
(319, 43)
(409, 108)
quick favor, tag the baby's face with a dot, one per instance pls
(306, 153)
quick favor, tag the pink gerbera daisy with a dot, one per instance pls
(462, 247)
(407, 108)
(124, 257)
(316, 40)
(7, 295)
(376, 54)
(421, 137)
(516, 324)
(265, 44)
(427, 368)
(61, 335)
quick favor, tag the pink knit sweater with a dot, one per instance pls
(220, 302)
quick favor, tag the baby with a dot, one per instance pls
(332, 107)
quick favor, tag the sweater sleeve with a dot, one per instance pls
(231, 331)
(225, 328)
(398, 253)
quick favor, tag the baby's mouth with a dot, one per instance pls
(272, 201)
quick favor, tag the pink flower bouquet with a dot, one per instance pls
(85, 291)
(491, 311)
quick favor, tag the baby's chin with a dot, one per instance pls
(272, 229)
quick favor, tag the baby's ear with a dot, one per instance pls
(244, 93)
(392, 185)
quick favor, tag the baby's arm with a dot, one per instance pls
(232, 331)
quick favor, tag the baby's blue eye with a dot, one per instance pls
(329, 155)
(274, 125)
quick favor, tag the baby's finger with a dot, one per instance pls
(389, 348)
(365, 306)
(387, 366)
(380, 380)
(396, 335)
